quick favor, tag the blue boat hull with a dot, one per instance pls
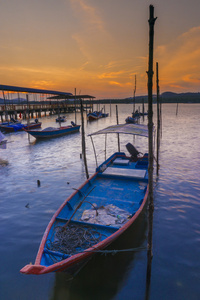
(45, 134)
(100, 211)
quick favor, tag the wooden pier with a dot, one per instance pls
(37, 110)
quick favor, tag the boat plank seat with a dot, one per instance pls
(121, 161)
(131, 173)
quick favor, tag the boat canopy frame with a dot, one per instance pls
(133, 129)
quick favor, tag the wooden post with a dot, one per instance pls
(177, 109)
(134, 96)
(117, 133)
(28, 116)
(83, 140)
(6, 112)
(158, 119)
(75, 106)
(150, 130)
(59, 113)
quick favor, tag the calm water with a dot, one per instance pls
(26, 209)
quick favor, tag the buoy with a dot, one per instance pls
(38, 183)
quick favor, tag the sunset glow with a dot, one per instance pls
(98, 47)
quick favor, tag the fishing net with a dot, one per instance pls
(73, 239)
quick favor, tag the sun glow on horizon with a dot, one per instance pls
(86, 48)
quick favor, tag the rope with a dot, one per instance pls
(113, 252)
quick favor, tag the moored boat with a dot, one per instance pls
(61, 119)
(95, 115)
(98, 212)
(13, 127)
(52, 132)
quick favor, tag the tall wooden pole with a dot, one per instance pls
(117, 133)
(83, 140)
(75, 106)
(150, 130)
(158, 119)
(6, 112)
(134, 96)
(177, 109)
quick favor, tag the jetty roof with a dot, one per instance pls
(30, 90)
(72, 97)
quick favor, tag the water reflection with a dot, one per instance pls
(103, 276)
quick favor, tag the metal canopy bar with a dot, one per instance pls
(30, 90)
(134, 129)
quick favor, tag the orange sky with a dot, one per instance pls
(98, 47)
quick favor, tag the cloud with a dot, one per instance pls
(179, 61)
(90, 13)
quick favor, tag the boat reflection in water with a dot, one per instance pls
(103, 276)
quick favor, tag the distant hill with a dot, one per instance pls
(166, 97)
(169, 97)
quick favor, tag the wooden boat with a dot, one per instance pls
(91, 116)
(13, 127)
(131, 120)
(105, 115)
(97, 213)
(61, 119)
(52, 132)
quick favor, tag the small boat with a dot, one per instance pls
(98, 212)
(52, 132)
(91, 116)
(132, 120)
(105, 115)
(13, 127)
(61, 119)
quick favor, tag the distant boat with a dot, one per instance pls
(61, 119)
(105, 115)
(91, 116)
(96, 213)
(52, 132)
(17, 126)
(131, 120)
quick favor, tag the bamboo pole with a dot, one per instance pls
(83, 140)
(150, 130)
(117, 133)
(158, 120)
(28, 116)
(160, 117)
(134, 96)
(6, 116)
(75, 105)
(177, 109)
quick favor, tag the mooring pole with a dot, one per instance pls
(117, 133)
(75, 105)
(158, 119)
(150, 130)
(83, 140)
(134, 96)
(28, 122)
(6, 112)
(177, 109)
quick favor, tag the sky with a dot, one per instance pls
(99, 47)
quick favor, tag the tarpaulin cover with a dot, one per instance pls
(135, 129)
